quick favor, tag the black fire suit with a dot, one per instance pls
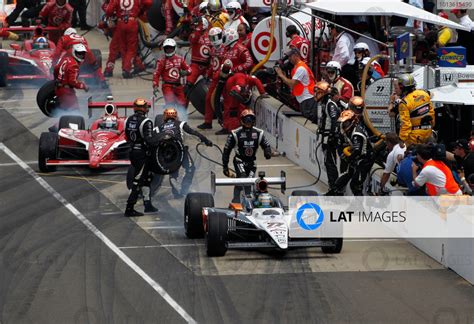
(329, 130)
(245, 141)
(360, 161)
(33, 8)
(139, 133)
(177, 129)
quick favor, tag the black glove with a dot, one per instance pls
(207, 142)
(226, 171)
(332, 140)
(267, 154)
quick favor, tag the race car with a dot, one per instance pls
(248, 225)
(102, 145)
(25, 62)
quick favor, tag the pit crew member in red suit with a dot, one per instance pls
(56, 13)
(200, 51)
(298, 42)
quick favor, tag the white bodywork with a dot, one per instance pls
(276, 226)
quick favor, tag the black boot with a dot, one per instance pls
(131, 212)
(149, 208)
(127, 75)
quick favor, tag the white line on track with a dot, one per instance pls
(14, 163)
(160, 246)
(162, 227)
(155, 285)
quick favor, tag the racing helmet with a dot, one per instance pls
(230, 37)
(203, 7)
(170, 113)
(70, 31)
(140, 105)
(41, 43)
(109, 122)
(79, 52)
(357, 104)
(361, 47)
(406, 82)
(247, 118)
(233, 8)
(347, 119)
(215, 36)
(333, 70)
(322, 88)
(265, 200)
(214, 6)
(169, 46)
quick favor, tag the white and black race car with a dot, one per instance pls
(248, 225)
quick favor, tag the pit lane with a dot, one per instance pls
(369, 281)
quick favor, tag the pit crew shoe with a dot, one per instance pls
(131, 212)
(127, 75)
(205, 126)
(108, 73)
(149, 208)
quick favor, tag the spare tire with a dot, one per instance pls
(46, 98)
(167, 156)
(197, 95)
(155, 16)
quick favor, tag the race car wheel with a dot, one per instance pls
(304, 193)
(3, 69)
(216, 236)
(334, 249)
(66, 121)
(195, 201)
(158, 120)
(48, 150)
(197, 95)
(167, 156)
(46, 98)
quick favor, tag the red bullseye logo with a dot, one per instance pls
(178, 3)
(204, 51)
(262, 42)
(173, 73)
(304, 50)
(215, 63)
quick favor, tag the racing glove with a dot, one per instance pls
(13, 36)
(156, 91)
(183, 73)
(268, 154)
(207, 142)
(226, 171)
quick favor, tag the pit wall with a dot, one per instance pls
(296, 137)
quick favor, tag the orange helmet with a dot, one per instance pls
(140, 104)
(170, 113)
(322, 88)
(357, 104)
(247, 118)
(347, 119)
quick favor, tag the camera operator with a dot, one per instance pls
(396, 149)
(437, 176)
(301, 83)
(176, 129)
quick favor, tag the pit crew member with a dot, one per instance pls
(343, 86)
(298, 42)
(56, 13)
(234, 10)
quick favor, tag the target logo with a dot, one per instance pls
(77, 37)
(126, 4)
(57, 20)
(307, 28)
(215, 63)
(262, 42)
(178, 3)
(304, 49)
(204, 51)
(173, 73)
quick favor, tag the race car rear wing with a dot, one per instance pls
(215, 182)
(110, 106)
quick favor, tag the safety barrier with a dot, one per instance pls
(297, 138)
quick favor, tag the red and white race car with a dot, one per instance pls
(24, 62)
(102, 145)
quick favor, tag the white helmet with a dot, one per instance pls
(361, 46)
(214, 6)
(215, 36)
(205, 23)
(169, 42)
(233, 9)
(335, 67)
(70, 31)
(79, 52)
(230, 37)
(265, 200)
(203, 6)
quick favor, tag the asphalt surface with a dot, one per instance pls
(55, 269)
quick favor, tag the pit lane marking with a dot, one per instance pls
(160, 246)
(15, 164)
(101, 236)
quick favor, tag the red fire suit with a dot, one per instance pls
(168, 69)
(232, 106)
(65, 45)
(241, 62)
(302, 44)
(345, 88)
(65, 74)
(127, 13)
(55, 16)
(200, 54)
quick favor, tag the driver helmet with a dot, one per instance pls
(79, 52)
(140, 105)
(265, 200)
(333, 70)
(215, 36)
(233, 8)
(41, 43)
(170, 113)
(169, 46)
(109, 122)
(247, 118)
(70, 31)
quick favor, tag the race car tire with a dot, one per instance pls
(216, 235)
(155, 16)
(65, 121)
(3, 69)
(304, 193)
(193, 222)
(336, 248)
(46, 98)
(197, 95)
(167, 156)
(48, 149)
(158, 120)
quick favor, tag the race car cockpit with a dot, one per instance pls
(40, 43)
(109, 123)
